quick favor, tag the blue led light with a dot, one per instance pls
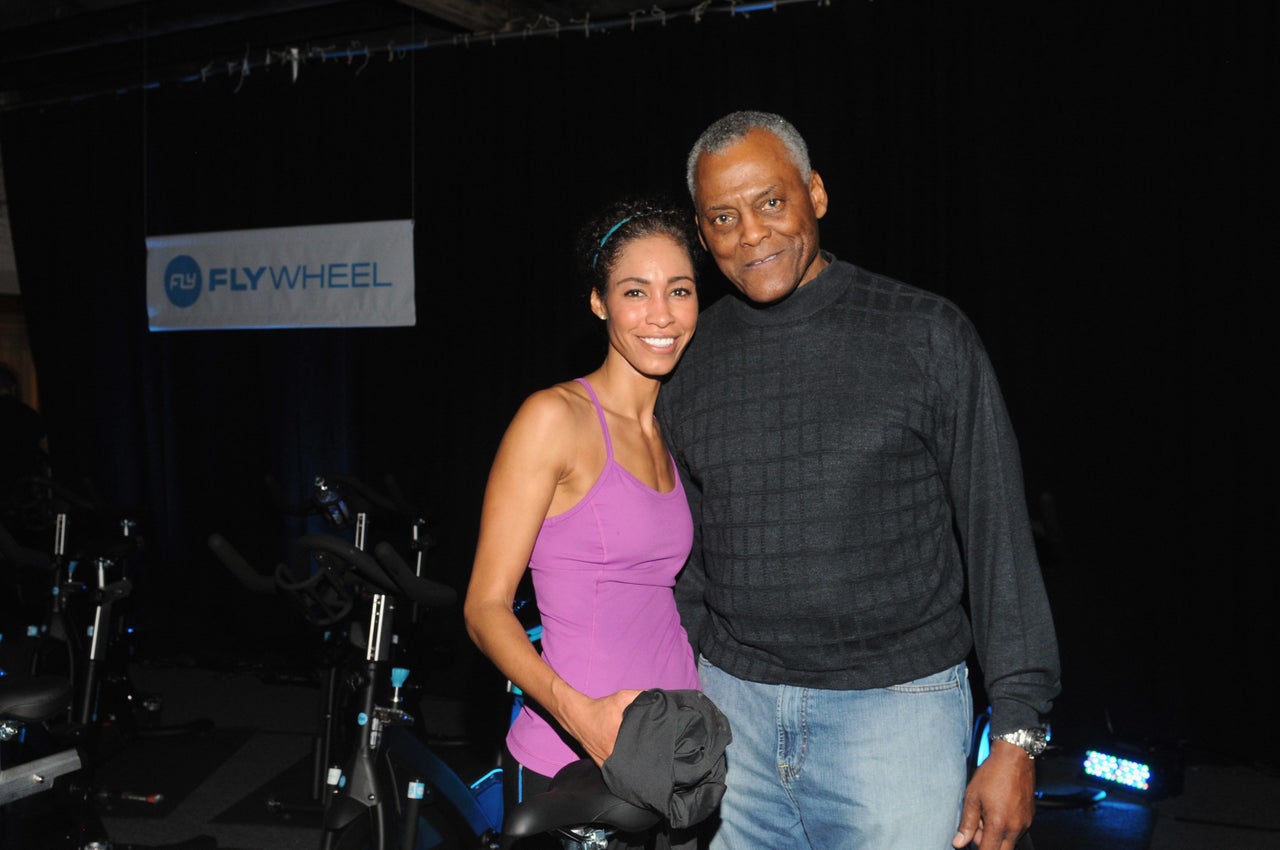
(984, 747)
(497, 771)
(1121, 771)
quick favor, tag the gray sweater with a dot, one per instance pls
(847, 453)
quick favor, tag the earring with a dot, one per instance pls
(602, 316)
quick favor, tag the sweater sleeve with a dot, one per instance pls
(1012, 623)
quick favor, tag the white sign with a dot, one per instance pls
(325, 276)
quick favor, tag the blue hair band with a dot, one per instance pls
(610, 232)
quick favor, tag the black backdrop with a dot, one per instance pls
(1093, 185)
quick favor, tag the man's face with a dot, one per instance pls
(758, 218)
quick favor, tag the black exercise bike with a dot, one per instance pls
(385, 785)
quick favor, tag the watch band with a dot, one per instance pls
(1032, 741)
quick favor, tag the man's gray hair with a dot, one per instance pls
(734, 127)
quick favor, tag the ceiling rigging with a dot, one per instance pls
(58, 50)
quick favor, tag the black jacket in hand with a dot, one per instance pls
(670, 755)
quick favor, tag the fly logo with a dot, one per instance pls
(182, 281)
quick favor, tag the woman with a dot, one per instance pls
(584, 494)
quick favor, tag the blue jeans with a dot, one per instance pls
(822, 769)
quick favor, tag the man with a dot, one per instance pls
(855, 483)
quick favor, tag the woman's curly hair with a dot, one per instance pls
(603, 237)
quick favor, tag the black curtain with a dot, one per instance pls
(1093, 185)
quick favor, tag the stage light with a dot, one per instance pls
(1133, 775)
(1136, 771)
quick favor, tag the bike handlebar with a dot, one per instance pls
(62, 497)
(234, 561)
(326, 593)
(424, 591)
(326, 546)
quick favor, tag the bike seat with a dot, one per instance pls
(34, 699)
(577, 796)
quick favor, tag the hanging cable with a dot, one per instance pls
(413, 130)
(295, 57)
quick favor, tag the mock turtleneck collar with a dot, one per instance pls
(800, 304)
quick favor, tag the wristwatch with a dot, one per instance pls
(1033, 741)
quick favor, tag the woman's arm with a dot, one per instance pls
(537, 455)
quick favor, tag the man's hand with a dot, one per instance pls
(1000, 800)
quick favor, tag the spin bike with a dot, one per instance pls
(27, 705)
(378, 796)
(578, 807)
(82, 629)
(372, 750)
(42, 734)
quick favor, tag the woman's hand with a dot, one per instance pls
(594, 722)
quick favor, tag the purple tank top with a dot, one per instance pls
(602, 575)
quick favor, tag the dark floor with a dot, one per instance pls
(232, 785)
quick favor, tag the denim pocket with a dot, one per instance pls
(950, 678)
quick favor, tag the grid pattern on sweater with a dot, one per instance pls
(847, 451)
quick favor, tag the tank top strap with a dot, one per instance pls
(604, 425)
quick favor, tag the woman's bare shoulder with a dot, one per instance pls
(551, 415)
